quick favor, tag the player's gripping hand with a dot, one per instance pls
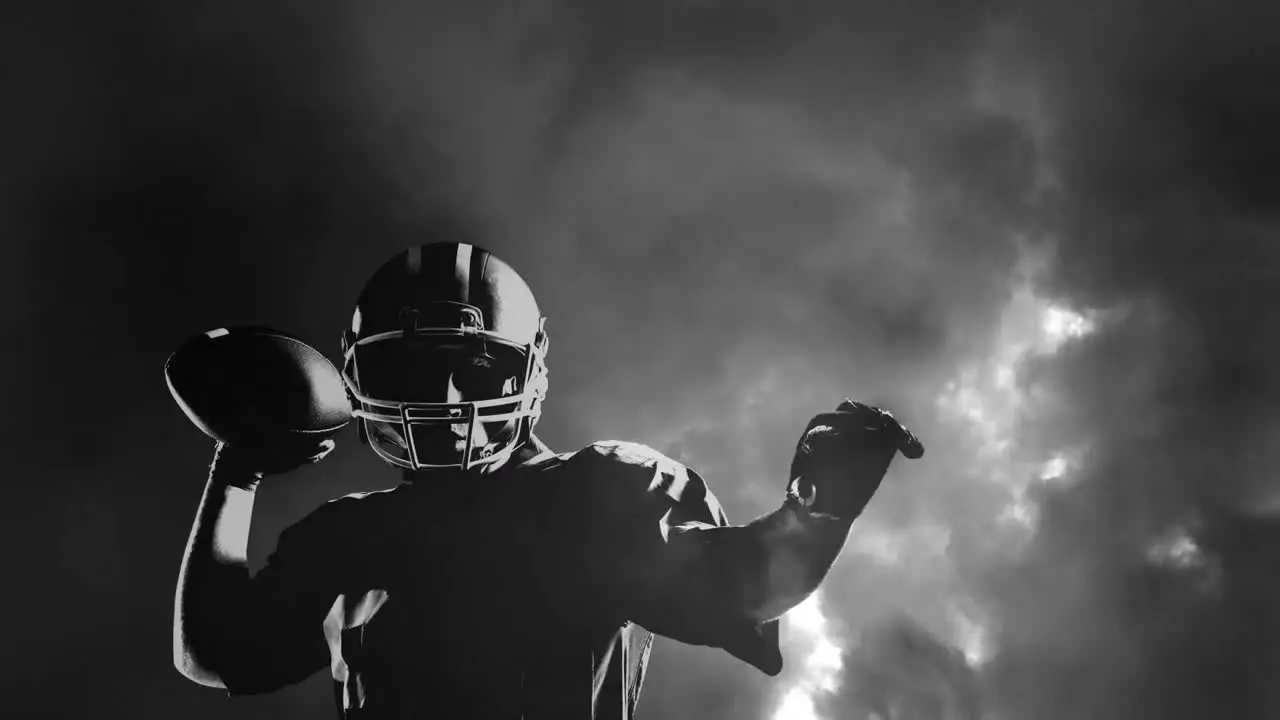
(843, 455)
(244, 465)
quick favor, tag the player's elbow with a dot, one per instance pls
(210, 632)
(195, 671)
(244, 657)
(211, 653)
(237, 675)
(193, 660)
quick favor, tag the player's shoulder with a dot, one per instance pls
(347, 514)
(630, 464)
(618, 454)
(626, 452)
(357, 502)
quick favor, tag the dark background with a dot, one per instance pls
(734, 214)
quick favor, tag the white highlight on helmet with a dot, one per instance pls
(806, 627)
(462, 268)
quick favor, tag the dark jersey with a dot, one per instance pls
(487, 598)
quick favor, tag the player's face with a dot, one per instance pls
(432, 372)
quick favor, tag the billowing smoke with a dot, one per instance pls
(1149, 590)
(1042, 233)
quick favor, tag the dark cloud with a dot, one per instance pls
(900, 670)
(1164, 126)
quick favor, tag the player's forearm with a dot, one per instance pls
(757, 571)
(788, 553)
(213, 579)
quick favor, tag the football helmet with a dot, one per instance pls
(445, 359)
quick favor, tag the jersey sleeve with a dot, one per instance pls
(290, 598)
(677, 560)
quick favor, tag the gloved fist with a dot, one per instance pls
(843, 455)
(244, 465)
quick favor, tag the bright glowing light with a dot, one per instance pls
(819, 672)
(1021, 510)
(796, 705)
(1058, 325)
(807, 617)
(1178, 550)
(971, 637)
(1054, 468)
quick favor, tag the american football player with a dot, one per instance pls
(480, 585)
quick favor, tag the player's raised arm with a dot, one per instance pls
(270, 402)
(695, 578)
(221, 616)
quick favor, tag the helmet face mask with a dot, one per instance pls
(449, 387)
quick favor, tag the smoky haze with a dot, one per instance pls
(734, 215)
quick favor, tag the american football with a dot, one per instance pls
(253, 385)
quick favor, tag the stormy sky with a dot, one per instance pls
(1043, 233)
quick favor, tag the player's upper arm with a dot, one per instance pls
(680, 565)
(283, 628)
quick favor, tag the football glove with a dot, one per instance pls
(843, 455)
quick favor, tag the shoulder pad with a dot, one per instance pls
(370, 495)
(341, 514)
(659, 473)
(631, 453)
